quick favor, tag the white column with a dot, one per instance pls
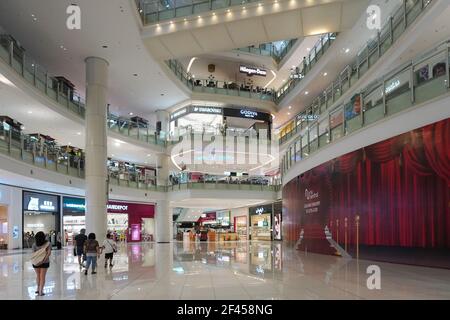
(162, 169)
(96, 146)
(163, 116)
(163, 221)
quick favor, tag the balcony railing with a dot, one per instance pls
(409, 85)
(38, 76)
(51, 157)
(404, 16)
(153, 11)
(307, 64)
(228, 88)
(270, 50)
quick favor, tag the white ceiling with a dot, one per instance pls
(103, 22)
(241, 27)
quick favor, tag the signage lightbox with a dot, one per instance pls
(250, 71)
(33, 201)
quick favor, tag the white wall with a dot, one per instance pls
(11, 197)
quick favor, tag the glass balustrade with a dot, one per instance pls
(403, 17)
(414, 83)
(270, 50)
(53, 157)
(153, 11)
(36, 75)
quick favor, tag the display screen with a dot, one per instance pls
(74, 206)
(277, 226)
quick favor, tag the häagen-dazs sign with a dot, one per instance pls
(250, 71)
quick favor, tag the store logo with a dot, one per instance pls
(310, 195)
(35, 225)
(250, 71)
(394, 85)
(373, 17)
(297, 76)
(48, 205)
(75, 205)
(33, 204)
(308, 117)
(73, 22)
(259, 210)
(207, 110)
(249, 113)
(178, 113)
(117, 207)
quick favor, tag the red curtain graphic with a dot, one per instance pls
(399, 188)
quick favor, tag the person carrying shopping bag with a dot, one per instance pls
(41, 260)
(92, 252)
(109, 247)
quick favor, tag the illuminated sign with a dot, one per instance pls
(394, 85)
(297, 76)
(40, 202)
(117, 207)
(249, 113)
(211, 110)
(308, 117)
(35, 225)
(259, 210)
(250, 71)
(178, 113)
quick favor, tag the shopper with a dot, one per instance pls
(109, 247)
(80, 239)
(92, 252)
(58, 240)
(41, 260)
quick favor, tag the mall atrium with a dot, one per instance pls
(224, 150)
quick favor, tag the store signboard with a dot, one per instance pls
(178, 114)
(33, 201)
(250, 71)
(264, 209)
(247, 114)
(207, 110)
(74, 206)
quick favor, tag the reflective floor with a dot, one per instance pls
(234, 270)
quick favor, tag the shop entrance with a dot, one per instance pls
(3, 227)
(40, 213)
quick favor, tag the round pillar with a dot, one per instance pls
(96, 146)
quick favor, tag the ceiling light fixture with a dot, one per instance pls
(290, 107)
(325, 74)
(306, 92)
(347, 50)
(30, 112)
(131, 113)
(79, 133)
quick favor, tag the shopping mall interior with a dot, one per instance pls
(231, 150)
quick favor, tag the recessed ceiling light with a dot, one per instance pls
(289, 113)
(290, 107)
(30, 112)
(131, 113)
(79, 133)
(306, 92)
(325, 74)
(347, 50)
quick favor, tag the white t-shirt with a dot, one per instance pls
(108, 245)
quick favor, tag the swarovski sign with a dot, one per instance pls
(250, 71)
(212, 110)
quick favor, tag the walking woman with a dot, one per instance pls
(92, 252)
(41, 260)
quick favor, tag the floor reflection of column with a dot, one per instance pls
(163, 267)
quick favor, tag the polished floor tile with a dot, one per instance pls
(207, 271)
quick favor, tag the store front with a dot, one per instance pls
(240, 227)
(261, 222)
(41, 212)
(3, 227)
(216, 120)
(127, 221)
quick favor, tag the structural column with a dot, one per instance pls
(96, 146)
(163, 221)
(163, 211)
(162, 116)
